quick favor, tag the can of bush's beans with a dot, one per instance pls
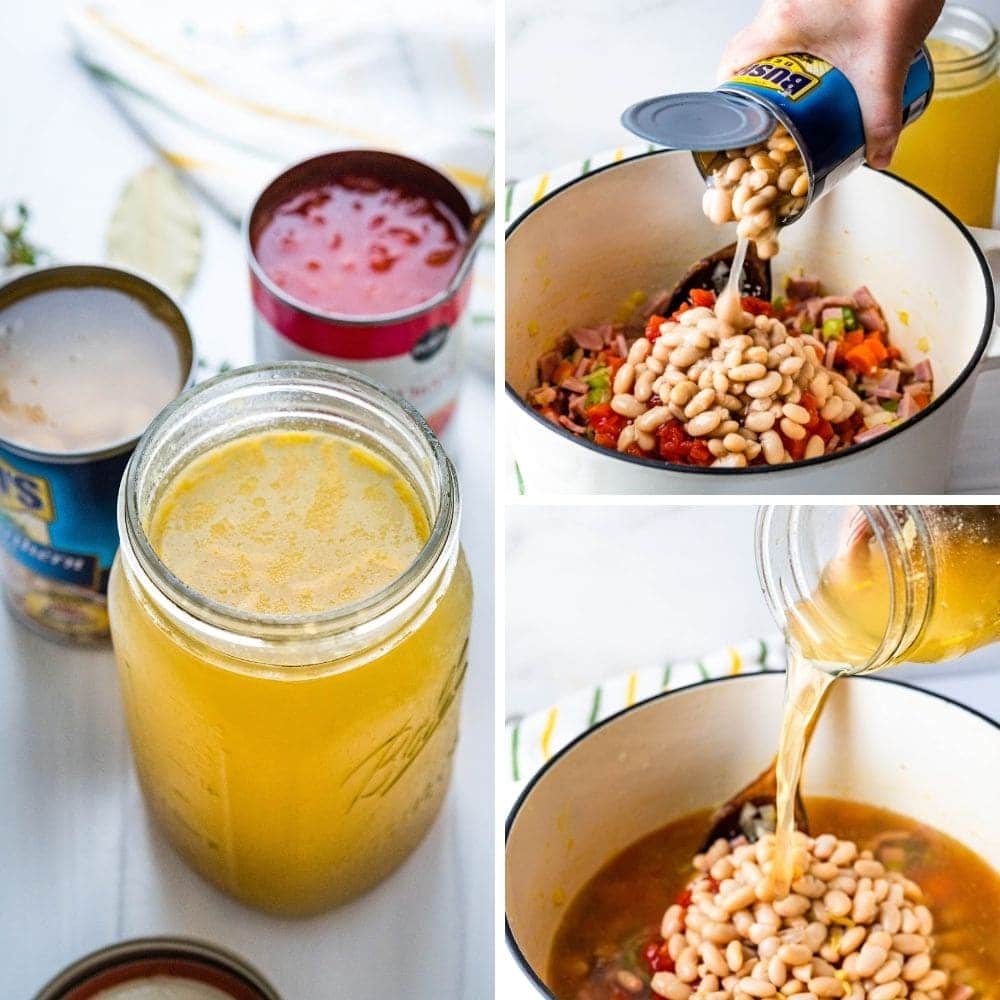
(177, 968)
(88, 355)
(358, 257)
(809, 96)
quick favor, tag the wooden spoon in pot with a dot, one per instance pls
(750, 812)
(712, 272)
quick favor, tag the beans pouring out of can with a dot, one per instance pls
(772, 138)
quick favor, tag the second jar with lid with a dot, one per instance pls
(290, 614)
(862, 588)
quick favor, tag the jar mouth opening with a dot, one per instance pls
(793, 562)
(983, 50)
(441, 485)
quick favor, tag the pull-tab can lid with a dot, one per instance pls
(702, 121)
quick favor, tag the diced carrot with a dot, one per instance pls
(563, 371)
(877, 349)
(861, 359)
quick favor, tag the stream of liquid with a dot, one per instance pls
(836, 632)
(728, 303)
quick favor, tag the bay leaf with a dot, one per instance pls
(155, 230)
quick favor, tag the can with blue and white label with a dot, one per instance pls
(810, 97)
(58, 497)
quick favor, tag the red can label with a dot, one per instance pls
(419, 357)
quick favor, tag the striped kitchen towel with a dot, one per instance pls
(233, 92)
(535, 739)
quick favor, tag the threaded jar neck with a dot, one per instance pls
(975, 35)
(290, 395)
(796, 549)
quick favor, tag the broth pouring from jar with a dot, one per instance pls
(949, 557)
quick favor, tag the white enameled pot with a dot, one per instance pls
(877, 741)
(636, 225)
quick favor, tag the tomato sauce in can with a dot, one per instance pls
(358, 257)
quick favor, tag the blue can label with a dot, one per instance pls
(58, 539)
(819, 107)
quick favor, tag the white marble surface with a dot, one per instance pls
(594, 592)
(573, 66)
(80, 865)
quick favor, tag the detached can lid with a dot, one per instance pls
(702, 121)
(174, 968)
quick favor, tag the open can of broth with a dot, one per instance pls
(358, 257)
(171, 967)
(88, 355)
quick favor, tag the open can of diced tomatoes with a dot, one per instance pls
(358, 257)
(162, 966)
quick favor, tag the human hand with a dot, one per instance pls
(871, 41)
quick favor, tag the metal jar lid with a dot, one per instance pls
(143, 958)
(702, 121)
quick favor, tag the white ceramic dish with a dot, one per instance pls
(576, 255)
(877, 741)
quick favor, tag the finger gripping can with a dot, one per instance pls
(808, 96)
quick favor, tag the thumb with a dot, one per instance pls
(880, 93)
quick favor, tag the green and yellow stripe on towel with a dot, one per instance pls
(536, 738)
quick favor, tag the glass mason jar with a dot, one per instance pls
(861, 588)
(951, 151)
(293, 760)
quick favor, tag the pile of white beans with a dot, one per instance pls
(732, 379)
(756, 187)
(849, 929)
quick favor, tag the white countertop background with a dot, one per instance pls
(80, 865)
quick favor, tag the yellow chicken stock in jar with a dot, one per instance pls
(290, 613)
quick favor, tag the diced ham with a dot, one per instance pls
(871, 319)
(570, 426)
(830, 301)
(922, 371)
(889, 380)
(573, 384)
(547, 364)
(583, 367)
(621, 346)
(576, 406)
(587, 338)
(805, 287)
(864, 298)
(832, 313)
(881, 393)
(814, 307)
(870, 432)
(907, 406)
(919, 388)
(831, 353)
